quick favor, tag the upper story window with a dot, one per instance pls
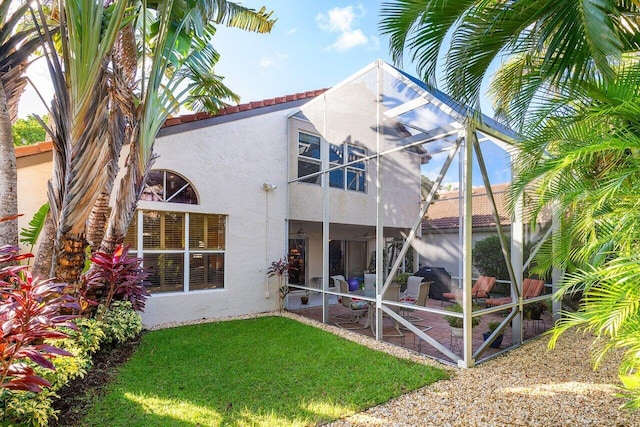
(352, 177)
(167, 186)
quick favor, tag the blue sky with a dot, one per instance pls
(313, 45)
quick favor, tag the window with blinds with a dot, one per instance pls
(182, 251)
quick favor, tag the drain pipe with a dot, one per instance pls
(268, 188)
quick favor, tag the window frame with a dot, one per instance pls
(352, 170)
(186, 251)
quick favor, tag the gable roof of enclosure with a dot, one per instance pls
(395, 117)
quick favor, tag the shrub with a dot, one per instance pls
(27, 408)
(117, 277)
(29, 313)
(82, 342)
(120, 323)
(488, 258)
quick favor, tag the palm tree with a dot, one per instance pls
(552, 43)
(162, 95)
(97, 105)
(17, 43)
(584, 158)
(569, 84)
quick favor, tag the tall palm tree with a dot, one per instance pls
(191, 30)
(17, 43)
(97, 104)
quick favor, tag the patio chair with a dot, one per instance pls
(357, 308)
(413, 287)
(421, 300)
(393, 294)
(480, 289)
(369, 282)
(530, 288)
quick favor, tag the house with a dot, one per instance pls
(314, 177)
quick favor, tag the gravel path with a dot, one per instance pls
(529, 386)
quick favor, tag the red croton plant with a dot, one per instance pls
(30, 312)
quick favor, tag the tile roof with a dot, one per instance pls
(43, 147)
(443, 213)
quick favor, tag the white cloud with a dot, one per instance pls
(274, 60)
(292, 31)
(342, 20)
(349, 39)
(266, 61)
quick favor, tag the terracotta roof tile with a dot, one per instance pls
(173, 121)
(443, 213)
(30, 150)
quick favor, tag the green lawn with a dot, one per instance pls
(265, 371)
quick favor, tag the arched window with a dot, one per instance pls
(170, 187)
(183, 251)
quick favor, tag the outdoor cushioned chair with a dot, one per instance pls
(480, 289)
(530, 288)
(357, 308)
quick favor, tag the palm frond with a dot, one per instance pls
(31, 233)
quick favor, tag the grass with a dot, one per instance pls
(265, 371)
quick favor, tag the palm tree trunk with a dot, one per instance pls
(97, 221)
(70, 258)
(43, 262)
(127, 198)
(8, 176)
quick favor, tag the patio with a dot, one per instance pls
(433, 324)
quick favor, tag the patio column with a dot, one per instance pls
(556, 273)
(517, 246)
(467, 244)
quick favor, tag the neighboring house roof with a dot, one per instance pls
(43, 147)
(443, 213)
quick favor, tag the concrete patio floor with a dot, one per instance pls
(439, 329)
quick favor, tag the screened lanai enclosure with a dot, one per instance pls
(356, 207)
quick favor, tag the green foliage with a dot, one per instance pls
(120, 323)
(205, 374)
(82, 343)
(456, 322)
(493, 325)
(28, 131)
(25, 408)
(401, 279)
(488, 258)
(30, 235)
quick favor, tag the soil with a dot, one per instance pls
(77, 396)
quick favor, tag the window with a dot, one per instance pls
(353, 177)
(309, 157)
(183, 251)
(167, 186)
(169, 241)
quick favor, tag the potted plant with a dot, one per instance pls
(304, 299)
(456, 322)
(534, 310)
(401, 279)
(493, 325)
(280, 269)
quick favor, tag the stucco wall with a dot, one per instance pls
(228, 164)
(443, 249)
(33, 174)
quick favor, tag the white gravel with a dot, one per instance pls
(528, 386)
